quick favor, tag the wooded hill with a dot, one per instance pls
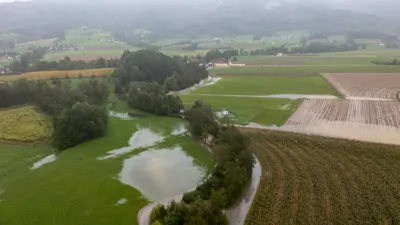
(130, 21)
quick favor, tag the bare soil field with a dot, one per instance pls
(371, 121)
(283, 62)
(366, 85)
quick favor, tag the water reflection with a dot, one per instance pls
(142, 138)
(159, 174)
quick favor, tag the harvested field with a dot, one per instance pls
(371, 121)
(366, 85)
(319, 180)
(45, 75)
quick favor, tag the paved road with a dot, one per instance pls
(236, 215)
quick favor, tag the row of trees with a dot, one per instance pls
(30, 65)
(78, 114)
(216, 54)
(22, 64)
(234, 165)
(68, 64)
(314, 47)
(394, 62)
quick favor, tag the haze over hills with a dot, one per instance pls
(48, 18)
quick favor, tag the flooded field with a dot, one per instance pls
(142, 138)
(161, 173)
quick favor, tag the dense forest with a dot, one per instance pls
(78, 114)
(144, 77)
(228, 181)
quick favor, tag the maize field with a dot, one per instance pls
(320, 180)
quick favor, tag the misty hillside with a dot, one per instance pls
(48, 18)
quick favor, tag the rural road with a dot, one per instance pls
(236, 215)
(144, 213)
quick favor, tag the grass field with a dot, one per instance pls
(259, 85)
(24, 124)
(45, 75)
(317, 180)
(260, 110)
(45, 42)
(77, 188)
(303, 70)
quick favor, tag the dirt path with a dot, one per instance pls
(236, 215)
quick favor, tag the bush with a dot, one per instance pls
(158, 214)
(80, 123)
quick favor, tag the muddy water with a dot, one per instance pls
(161, 173)
(143, 138)
(46, 160)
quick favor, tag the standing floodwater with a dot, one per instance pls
(161, 173)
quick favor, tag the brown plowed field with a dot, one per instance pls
(372, 121)
(366, 85)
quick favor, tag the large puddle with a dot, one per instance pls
(203, 83)
(143, 138)
(44, 161)
(161, 173)
(123, 116)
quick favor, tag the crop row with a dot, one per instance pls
(318, 180)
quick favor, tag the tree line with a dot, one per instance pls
(78, 114)
(143, 79)
(228, 181)
(394, 62)
(23, 65)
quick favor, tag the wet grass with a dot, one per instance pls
(77, 188)
(260, 110)
(259, 85)
(307, 70)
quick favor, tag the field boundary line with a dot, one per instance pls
(398, 96)
(338, 93)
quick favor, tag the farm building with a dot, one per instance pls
(280, 54)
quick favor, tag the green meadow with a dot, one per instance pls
(77, 188)
(269, 85)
